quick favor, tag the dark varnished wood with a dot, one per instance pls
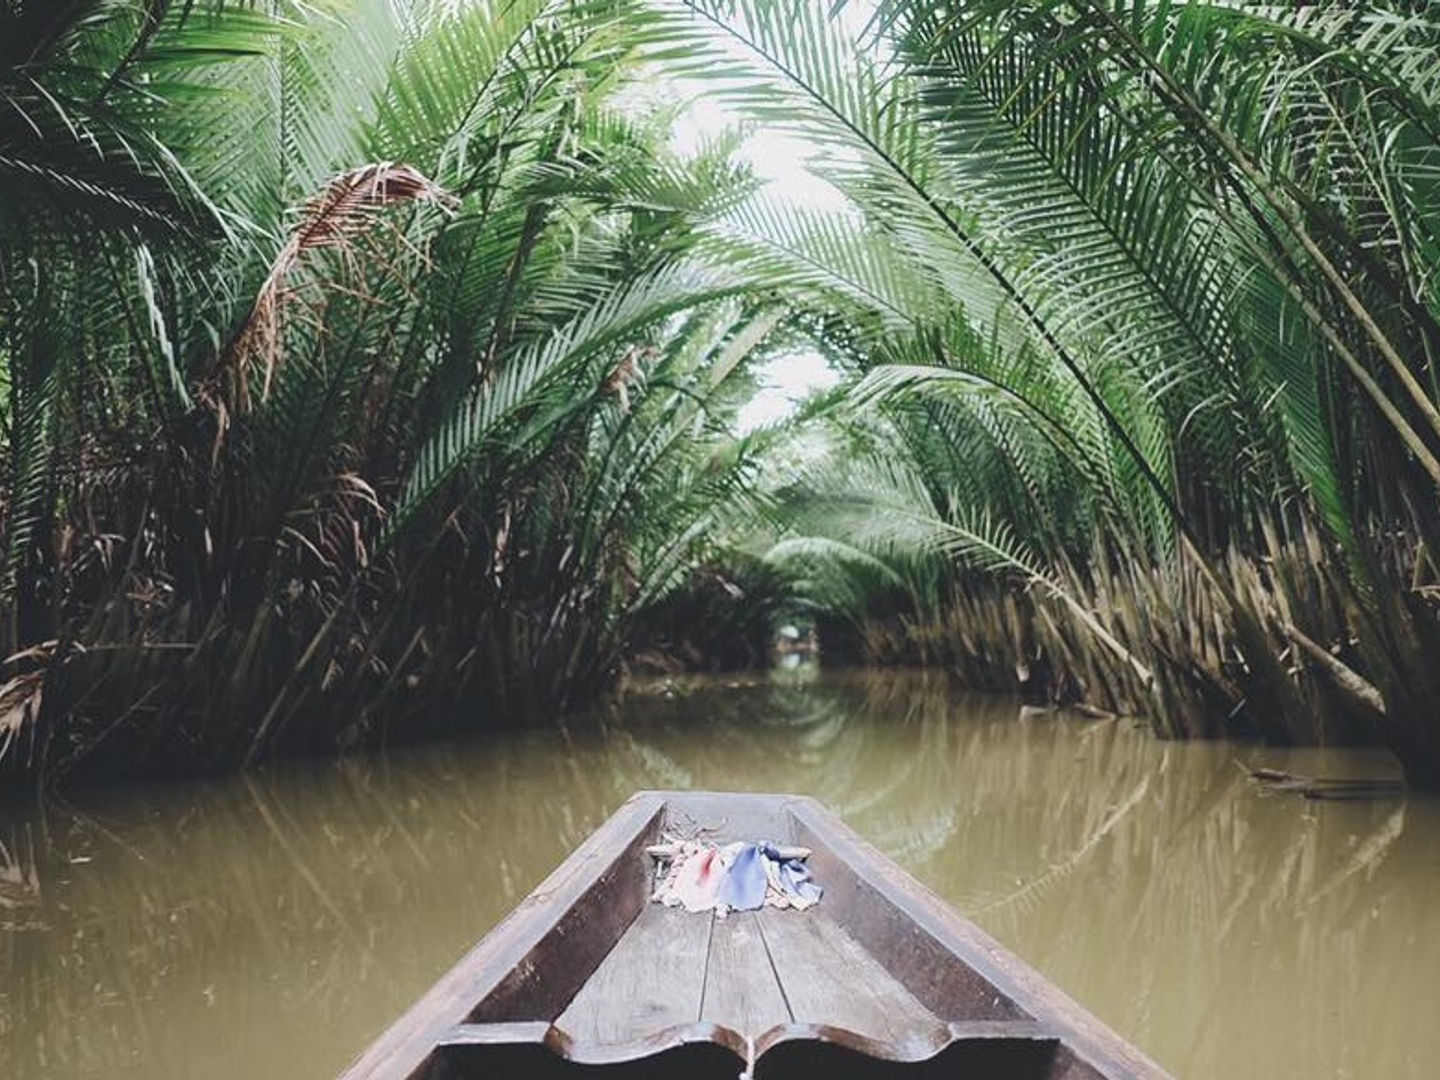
(587, 979)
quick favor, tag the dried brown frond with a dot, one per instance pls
(627, 373)
(344, 210)
(21, 696)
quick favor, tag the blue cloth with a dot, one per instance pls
(794, 876)
(744, 886)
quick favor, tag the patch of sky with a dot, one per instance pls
(784, 382)
(791, 168)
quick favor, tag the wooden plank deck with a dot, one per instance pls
(828, 978)
(750, 972)
(741, 988)
(652, 979)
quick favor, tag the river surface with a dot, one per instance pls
(268, 926)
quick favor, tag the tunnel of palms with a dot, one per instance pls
(371, 367)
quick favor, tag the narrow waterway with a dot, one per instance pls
(269, 926)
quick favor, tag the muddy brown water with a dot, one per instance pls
(268, 926)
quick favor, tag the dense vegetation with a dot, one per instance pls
(356, 366)
(369, 365)
(1186, 395)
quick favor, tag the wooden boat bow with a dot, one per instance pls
(586, 977)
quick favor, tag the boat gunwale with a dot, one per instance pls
(1078, 1029)
(403, 1050)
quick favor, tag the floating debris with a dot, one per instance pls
(1328, 788)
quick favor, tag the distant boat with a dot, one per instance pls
(588, 978)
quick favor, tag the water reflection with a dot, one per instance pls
(270, 925)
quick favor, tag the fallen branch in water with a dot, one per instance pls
(1331, 788)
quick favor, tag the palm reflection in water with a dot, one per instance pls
(272, 924)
